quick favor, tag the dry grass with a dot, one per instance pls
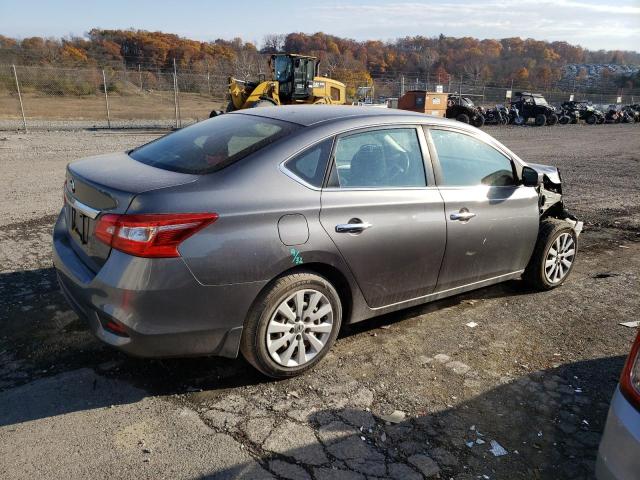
(148, 105)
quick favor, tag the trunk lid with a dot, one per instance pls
(106, 183)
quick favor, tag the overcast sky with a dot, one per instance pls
(594, 24)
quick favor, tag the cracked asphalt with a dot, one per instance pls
(415, 394)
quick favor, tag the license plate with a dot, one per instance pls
(80, 225)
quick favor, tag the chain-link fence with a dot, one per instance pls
(395, 85)
(52, 97)
(49, 97)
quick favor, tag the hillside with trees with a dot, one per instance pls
(525, 61)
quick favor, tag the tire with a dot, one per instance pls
(264, 102)
(478, 122)
(552, 119)
(601, 120)
(265, 311)
(463, 117)
(541, 119)
(591, 120)
(564, 120)
(537, 274)
(520, 120)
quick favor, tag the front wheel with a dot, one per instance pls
(564, 120)
(553, 256)
(478, 121)
(591, 120)
(292, 325)
(463, 117)
(552, 119)
(541, 119)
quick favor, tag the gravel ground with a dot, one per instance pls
(413, 394)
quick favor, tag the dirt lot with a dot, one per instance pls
(535, 375)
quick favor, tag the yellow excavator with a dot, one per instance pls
(294, 80)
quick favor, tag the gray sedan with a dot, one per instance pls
(618, 453)
(263, 231)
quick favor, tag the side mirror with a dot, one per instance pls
(530, 177)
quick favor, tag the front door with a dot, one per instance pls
(492, 220)
(384, 217)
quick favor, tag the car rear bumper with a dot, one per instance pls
(618, 457)
(163, 309)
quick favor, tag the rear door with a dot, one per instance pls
(492, 220)
(384, 214)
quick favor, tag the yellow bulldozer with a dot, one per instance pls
(295, 79)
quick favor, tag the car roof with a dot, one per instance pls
(308, 115)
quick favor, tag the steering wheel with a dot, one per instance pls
(397, 165)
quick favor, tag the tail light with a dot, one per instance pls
(630, 379)
(150, 235)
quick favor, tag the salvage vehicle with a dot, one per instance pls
(586, 111)
(534, 105)
(568, 113)
(498, 115)
(464, 110)
(618, 453)
(263, 231)
(629, 114)
(295, 79)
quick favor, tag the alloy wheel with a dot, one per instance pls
(299, 328)
(559, 258)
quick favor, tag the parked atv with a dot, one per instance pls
(586, 112)
(630, 114)
(568, 113)
(462, 109)
(613, 115)
(533, 105)
(499, 115)
(514, 116)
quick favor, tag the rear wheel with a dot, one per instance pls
(591, 120)
(552, 119)
(478, 121)
(564, 120)
(292, 326)
(541, 119)
(463, 117)
(553, 256)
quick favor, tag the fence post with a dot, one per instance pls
(402, 85)
(175, 91)
(106, 98)
(140, 77)
(24, 120)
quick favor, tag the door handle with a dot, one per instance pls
(463, 215)
(353, 227)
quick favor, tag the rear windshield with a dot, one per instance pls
(213, 144)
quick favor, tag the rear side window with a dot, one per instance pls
(213, 144)
(310, 165)
(467, 161)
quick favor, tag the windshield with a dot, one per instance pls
(213, 144)
(540, 101)
(282, 68)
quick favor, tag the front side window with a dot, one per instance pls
(467, 161)
(213, 144)
(379, 158)
(310, 165)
